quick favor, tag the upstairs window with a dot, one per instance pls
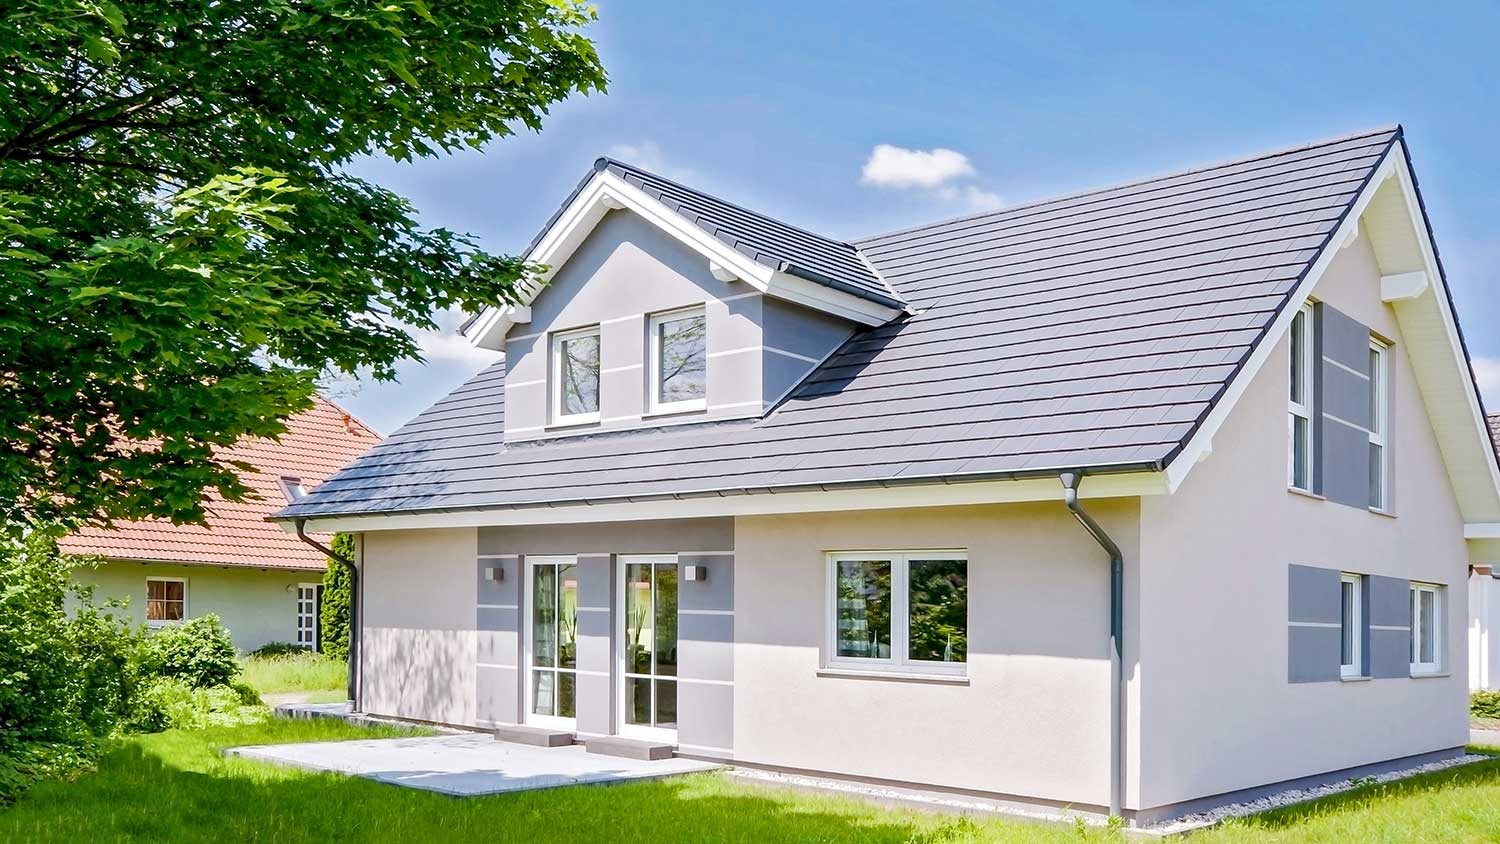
(1351, 625)
(679, 361)
(1379, 380)
(1300, 402)
(575, 376)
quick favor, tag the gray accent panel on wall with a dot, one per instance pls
(705, 628)
(1345, 339)
(1388, 605)
(595, 643)
(715, 593)
(1389, 653)
(504, 619)
(1312, 654)
(705, 716)
(1346, 464)
(593, 590)
(498, 648)
(504, 590)
(704, 657)
(1313, 595)
(594, 697)
(1346, 396)
(497, 695)
(1389, 601)
(644, 537)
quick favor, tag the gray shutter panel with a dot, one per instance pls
(1343, 408)
(1313, 615)
(1388, 652)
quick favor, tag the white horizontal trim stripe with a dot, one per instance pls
(761, 403)
(499, 607)
(740, 351)
(1402, 628)
(704, 553)
(516, 338)
(535, 383)
(737, 296)
(585, 671)
(625, 368)
(626, 318)
(592, 609)
(1334, 624)
(681, 611)
(1351, 371)
(1345, 422)
(793, 355)
(682, 679)
(499, 556)
(497, 665)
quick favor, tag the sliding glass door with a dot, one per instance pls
(552, 641)
(649, 646)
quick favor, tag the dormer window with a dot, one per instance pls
(679, 361)
(575, 376)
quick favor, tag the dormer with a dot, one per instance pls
(661, 305)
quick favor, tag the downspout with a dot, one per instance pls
(1070, 481)
(354, 636)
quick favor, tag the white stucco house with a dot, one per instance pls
(1135, 500)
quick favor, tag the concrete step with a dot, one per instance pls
(534, 736)
(629, 748)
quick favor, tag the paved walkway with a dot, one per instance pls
(467, 765)
(1487, 738)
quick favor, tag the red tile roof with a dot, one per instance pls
(317, 444)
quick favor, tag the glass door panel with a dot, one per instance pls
(650, 643)
(553, 638)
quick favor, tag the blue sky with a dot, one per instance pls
(781, 105)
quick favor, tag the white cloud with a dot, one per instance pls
(647, 155)
(446, 344)
(1487, 373)
(976, 199)
(897, 167)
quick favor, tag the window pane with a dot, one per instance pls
(543, 693)
(1301, 447)
(567, 616)
(1426, 624)
(173, 590)
(1376, 388)
(1414, 635)
(580, 374)
(939, 610)
(566, 694)
(637, 701)
(544, 615)
(1347, 624)
(666, 620)
(639, 635)
(1299, 340)
(682, 354)
(666, 703)
(1377, 476)
(864, 608)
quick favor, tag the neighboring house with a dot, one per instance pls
(799, 503)
(1484, 611)
(264, 583)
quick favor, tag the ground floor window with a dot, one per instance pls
(1351, 625)
(907, 610)
(650, 642)
(552, 632)
(166, 599)
(307, 615)
(1426, 628)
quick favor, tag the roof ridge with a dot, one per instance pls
(369, 429)
(1202, 168)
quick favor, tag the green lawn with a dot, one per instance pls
(311, 677)
(175, 787)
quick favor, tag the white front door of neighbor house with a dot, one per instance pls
(307, 615)
(551, 625)
(647, 632)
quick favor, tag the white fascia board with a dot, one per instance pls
(818, 297)
(1202, 440)
(1482, 530)
(1403, 286)
(769, 503)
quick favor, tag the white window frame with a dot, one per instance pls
(1357, 668)
(528, 695)
(899, 661)
(1436, 665)
(1380, 419)
(642, 731)
(1302, 409)
(654, 325)
(556, 380)
(163, 579)
(297, 630)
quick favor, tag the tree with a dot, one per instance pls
(333, 615)
(182, 251)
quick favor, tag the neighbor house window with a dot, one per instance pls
(1300, 401)
(906, 610)
(575, 376)
(1379, 423)
(166, 600)
(292, 488)
(679, 361)
(1426, 628)
(1351, 625)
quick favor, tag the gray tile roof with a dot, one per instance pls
(1093, 331)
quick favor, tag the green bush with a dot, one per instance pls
(333, 617)
(1485, 705)
(171, 703)
(29, 763)
(198, 652)
(271, 649)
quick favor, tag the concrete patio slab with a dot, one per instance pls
(468, 765)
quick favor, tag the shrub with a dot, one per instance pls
(333, 617)
(198, 651)
(1485, 705)
(271, 649)
(29, 763)
(171, 703)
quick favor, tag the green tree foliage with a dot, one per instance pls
(182, 252)
(333, 615)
